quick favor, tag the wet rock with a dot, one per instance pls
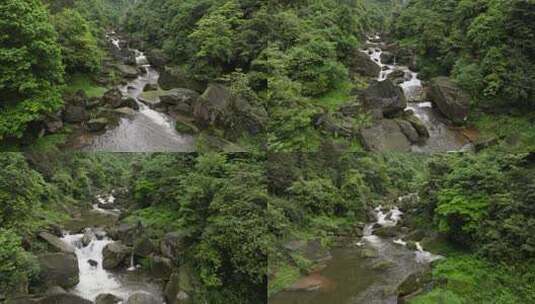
(369, 253)
(112, 98)
(414, 283)
(125, 112)
(396, 74)
(179, 96)
(386, 231)
(56, 243)
(75, 114)
(88, 236)
(172, 245)
(59, 269)
(419, 126)
(150, 87)
(64, 298)
(382, 265)
(411, 245)
(385, 135)
(100, 234)
(361, 64)
(387, 57)
(142, 298)
(450, 99)
(129, 102)
(128, 71)
(114, 255)
(97, 124)
(386, 96)
(93, 263)
(144, 247)
(409, 131)
(107, 298)
(55, 290)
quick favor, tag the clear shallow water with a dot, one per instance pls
(443, 138)
(147, 131)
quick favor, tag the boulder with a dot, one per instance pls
(64, 298)
(174, 77)
(127, 232)
(386, 231)
(114, 255)
(409, 131)
(125, 111)
(179, 96)
(418, 125)
(55, 290)
(414, 282)
(150, 87)
(453, 102)
(97, 124)
(144, 247)
(385, 135)
(88, 236)
(361, 64)
(93, 263)
(160, 267)
(112, 98)
(396, 74)
(107, 298)
(316, 252)
(157, 58)
(56, 243)
(143, 298)
(128, 71)
(128, 102)
(172, 292)
(386, 96)
(387, 57)
(172, 245)
(75, 114)
(59, 269)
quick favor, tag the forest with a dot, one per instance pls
(246, 75)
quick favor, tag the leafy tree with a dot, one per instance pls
(78, 45)
(31, 69)
(17, 266)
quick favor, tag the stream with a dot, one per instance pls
(352, 278)
(443, 138)
(148, 130)
(94, 279)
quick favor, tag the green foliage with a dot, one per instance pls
(20, 192)
(468, 279)
(486, 45)
(17, 267)
(30, 66)
(79, 48)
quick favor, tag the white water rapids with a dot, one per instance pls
(443, 138)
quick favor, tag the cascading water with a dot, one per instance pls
(442, 137)
(148, 130)
(94, 279)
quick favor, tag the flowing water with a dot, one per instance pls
(148, 130)
(443, 138)
(94, 279)
(353, 279)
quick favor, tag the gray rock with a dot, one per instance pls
(361, 64)
(75, 114)
(125, 112)
(114, 255)
(387, 57)
(88, 236)
(56, 243)
(160, 267)
(64, 298)
(414, 282)
(128, 71)
(107, 298)
(112, 98)
(419, 126)
(385, 135)
(178, 96)
(97, 124)
(144, 247)
(409, 131)
(127, 232)
(453, 102)
(59, 269)
(386, 96)
(142, 298)
(150, 87)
